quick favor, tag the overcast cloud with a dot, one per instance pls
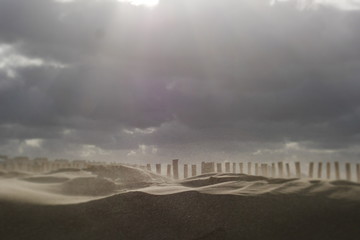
(190, 79)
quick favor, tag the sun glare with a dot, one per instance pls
(147, 3)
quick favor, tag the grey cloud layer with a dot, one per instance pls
(227, 75)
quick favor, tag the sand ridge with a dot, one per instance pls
(129, 203)
(103, 181)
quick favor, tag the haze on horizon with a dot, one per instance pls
(197, 80)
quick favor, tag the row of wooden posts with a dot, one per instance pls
(41, 166)
(279, 169)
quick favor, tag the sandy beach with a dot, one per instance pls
(130, 203)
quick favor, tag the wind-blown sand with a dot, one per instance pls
(129, 203)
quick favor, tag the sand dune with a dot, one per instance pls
(46, 179)
(72, 186)
(241, 184)
(91, 186)
(103, 203)
(129, 176)
(12, 174)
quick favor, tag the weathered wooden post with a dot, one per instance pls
(298, 169)
(256, 169)
(234, 167)
(158, 168)
(148, 167)
(207, 167)
(211, 167)
(273, 170)
(288, 170)
(348, 171)
(203, 170)
(175, 164)
(219, 167)
(281, 169)
(168, 172)
(311, 170)
(320, 170)
(193, 170)
(186, 171)
(269, 169)
(328, 170)
(264, 169)
(358, 172)
(202, 167)
(227, 167)
(249, 168)
(259, 169)
(337, 171)
(241, 168)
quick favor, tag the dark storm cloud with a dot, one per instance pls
(222, 74)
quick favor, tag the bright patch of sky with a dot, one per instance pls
(92, 150)
(139, 131)
(314, 4)
(34, 142)
(10, 61)
(146, 3)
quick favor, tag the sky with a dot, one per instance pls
(198, 80)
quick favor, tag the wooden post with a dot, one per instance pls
(207, 167)
(186, 171)
(269, 170)
(273, 170)
(148, 167)
(264, 169)
(348, 171)
(158, 168)
(320, 170)
(311, 170)
(298, 169)
(234, 167)
(249, 168)
(219, 167)
(288, 170)
(241, 170)
(259, 169)
(227, 167)
(168, 173)
(328, 170)
(281, 169)
(211, 167)
(202, 167)
(193, 170)
(358, 172)
(337, 171)
(256, 169)
(175, 164)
